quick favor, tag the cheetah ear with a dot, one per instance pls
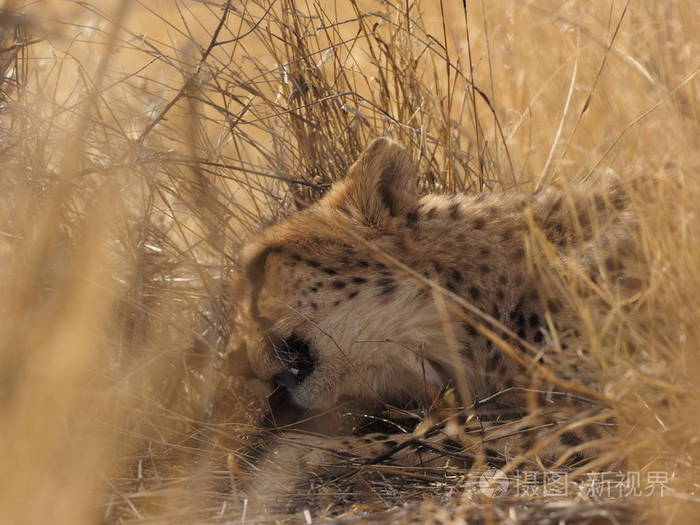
(381, 184)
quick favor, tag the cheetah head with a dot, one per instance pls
(322, 314)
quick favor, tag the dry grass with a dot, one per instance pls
(140, 142)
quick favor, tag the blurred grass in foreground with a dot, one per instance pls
(141, 142)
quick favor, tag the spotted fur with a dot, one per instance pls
(374, 296)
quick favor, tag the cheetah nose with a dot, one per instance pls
(287, 378)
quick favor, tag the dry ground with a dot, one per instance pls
(142, 141)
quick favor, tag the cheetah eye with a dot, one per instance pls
(295, 353)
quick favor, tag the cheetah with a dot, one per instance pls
(374, 296)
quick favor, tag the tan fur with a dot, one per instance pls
(399, 297)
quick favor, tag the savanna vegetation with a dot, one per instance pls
(141, 143)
